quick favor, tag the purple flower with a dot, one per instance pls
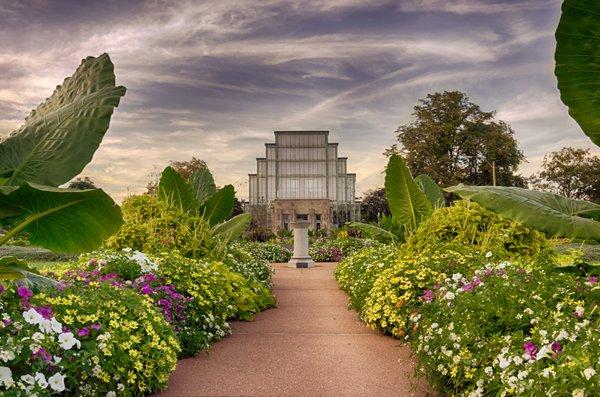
(84, 332)
(45, 311)
(6, 322)
(96, 326)
(556, 347)
(489, 272)
(592, 280)
(42, 354)
(146, 289)
(2, 289)
(24, 293)
(530, 349)
(149, 277)
(428, 295)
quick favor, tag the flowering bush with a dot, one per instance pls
(510, 331)
(357, 272)
(240, 260)
(270, 252)
(334, 250)
(468, 224)
(84, 341)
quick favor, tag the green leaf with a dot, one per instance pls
(203, 184)
(434, 193)
(374, 232)
(408, 204)
(218, 207)
(175, 191)
(59, 137)
(544, 211)
(577, 68)
(232, 228)
(12, 268)
(62, 220)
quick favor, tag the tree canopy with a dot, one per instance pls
(454, 141)
(570, 172)
(374, 204)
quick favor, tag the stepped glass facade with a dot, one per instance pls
(301, 177)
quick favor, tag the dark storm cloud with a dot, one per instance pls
(213, 79)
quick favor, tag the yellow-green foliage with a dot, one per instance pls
(395, 295)
(467, 223)
(134, 345)
(152, 226)
(217, 291)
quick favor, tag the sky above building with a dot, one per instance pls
(214, 79)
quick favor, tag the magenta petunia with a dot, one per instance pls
(428, 295)
(556, 346)
(24, 292)
(530, 349)
(45, 311)
(84, 332)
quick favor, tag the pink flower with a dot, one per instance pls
(83, 332)
(530, 349)
(428, 295)
(96, 326)
(592, 280)
(24, 292)
(556, 346)
(146, 289)
(45, 311)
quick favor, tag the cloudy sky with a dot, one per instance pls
(214, 79)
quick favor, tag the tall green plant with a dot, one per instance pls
(407, 200)
(56, 141)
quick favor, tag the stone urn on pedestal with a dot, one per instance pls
(301, 259)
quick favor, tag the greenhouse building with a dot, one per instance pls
(301, 177)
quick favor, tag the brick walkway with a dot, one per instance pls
(311, 344)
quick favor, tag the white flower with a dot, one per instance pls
(449, 296)
(31, 316)
(57, 359)
(543, 352)
(562, 335)
(453, 337)
(56, 326)
(457, 277)
(5, 375)
(67, 341)
(57, 382)
(46, 326)
(528, 311)
(522, 375)
(28, 379)
(434, 325)
(547, 372)
(40, 379)
(111, 394)
(7, 355)
(503, 362)
(488, 254)
(578, 393)
(120, 387)
(456, 359)
(127, 249)
(517, 360)
(579, 311)
(489, 371)
(589, 372)
(37, 337)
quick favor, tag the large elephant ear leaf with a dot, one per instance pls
(203, 184)
(12, 268)
(232, 228)
(374, 232)
(62, 220)
(218, 207)
(408, 204)
(176, 191)
(550, 213)
(59, 137)
(434, 193)
(577, 68)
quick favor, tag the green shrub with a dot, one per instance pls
(152, 226)
(84, 341)
(334, 250)
(468, 224)
(241, 261)
(270, 252)
(511, 331)
(357, 272)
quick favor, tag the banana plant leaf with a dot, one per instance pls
(550, 213)
(62, 220)
(218, 207)
(408, 204)
(203, 184)
(12, 268)
(176, 191)
(434, 193)
(59, 137)
(232, 228)
(374, 232)
(577, 68)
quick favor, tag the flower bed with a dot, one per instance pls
(270, 252)
(334, 250)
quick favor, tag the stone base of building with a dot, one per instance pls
(301, 263)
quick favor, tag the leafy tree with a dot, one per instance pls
(454, 141)
(184, 168)
(374, 204)
(82, 183)
(238, 207)
(573, 173)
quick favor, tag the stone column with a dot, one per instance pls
(301, 259)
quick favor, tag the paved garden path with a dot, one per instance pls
(311, 344)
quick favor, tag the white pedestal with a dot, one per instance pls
(301, 259)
